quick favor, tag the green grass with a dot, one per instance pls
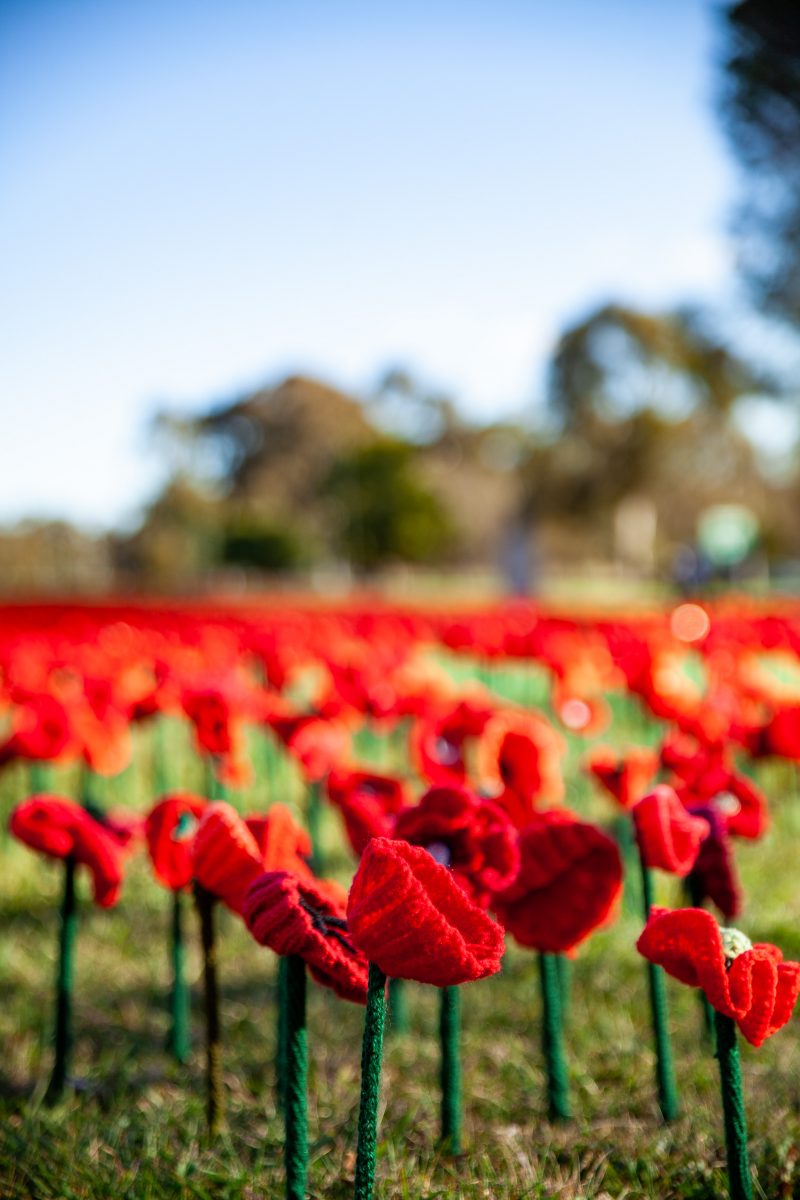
(137, 1127)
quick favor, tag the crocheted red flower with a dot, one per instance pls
(473, 837)
(298, 916)
(409, 917)
(438, 741)
(367, 802)
(284, 845)
(519, 760)
(627, 776)
(568, 884)
(750, 983)
(42, 731)
(60, 828)
(169, 828)
(669, 838)
(225, 855)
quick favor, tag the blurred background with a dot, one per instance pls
(498, 298)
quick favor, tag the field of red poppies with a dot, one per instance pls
(312, 901)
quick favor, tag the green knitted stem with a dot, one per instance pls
(727, 1052)
(564, 985)
(178, 1042)
(450, 1038)
(39, 776)
(314, 820)
(92, 794)
(398, 1006)
(665, 1068)
(296, 1115)
(694, 894)
(206, 903)
(64, 983)
(371, 1052)
(281, 1034)
(622, 830)
(553, 1041)
(160, 758)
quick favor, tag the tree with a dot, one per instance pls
(381, 512)
(760, 108)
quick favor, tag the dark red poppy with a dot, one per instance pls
(568, 884)
(669, 837)
(60, 828)
(473, 837)
(626, 776)
(409, 917)
(169, 829)
(439, 740)
(750, 983)
(368, 803)
(225, 855)
(298, 916)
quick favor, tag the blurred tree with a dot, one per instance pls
(409, 409)
(250, 541)
(381, 512)
(760, 108)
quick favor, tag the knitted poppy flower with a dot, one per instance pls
(749, 983)
(412, 920)
(568, 884)
(669, 837)
(627, 776)
(225, 855)
(298, 916)
(284, 845)
(367, 802)
(519, 761)
(319, 746)
(438, 741)
(473, 837)
(42, 731)
(60, 828)
(169, 829)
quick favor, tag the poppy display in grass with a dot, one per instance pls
(368, 803)
(471, 836)
(747, 985)
(413, 921)
(519, 761)
(60, 828)
(568, 884)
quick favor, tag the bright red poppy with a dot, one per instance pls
(226, 857)
(626, 776)
(750, 983)
(60, 828)
(568, 884)
(298, 916)
(519, 762)
(669, 837)
(367, 802)
(169, 829)
(409, 917)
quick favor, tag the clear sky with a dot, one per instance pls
(197, 197)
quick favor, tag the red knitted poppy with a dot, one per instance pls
(477, 837)
(568, 884)
(519, 760)
(225, 855)
(756, 987)
(60, 828)
(367, 802)
(669, 838)
(298, 916)
(284, 845)
(169, 829)
(625, 776)
(409, 917)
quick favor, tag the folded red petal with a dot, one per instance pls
(225, 855)
(169, 828)
(669, 837)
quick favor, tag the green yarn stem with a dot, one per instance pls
(281, 1034)
(371, 1052)
(296, 1114)
(314, 820)
(694, 894)
(553, 1041)
(398, 1006)
(178, 1041)
(160, 757)
(40, 775)
(622, 830)
(450, 1039)
(727, 1052)
(65, 977)
(92, 793)
(564, 968)
(665, 1067)
(206, 904)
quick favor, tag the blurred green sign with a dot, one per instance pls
(726, 533)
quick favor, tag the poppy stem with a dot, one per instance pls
(39, 776)
(727, 1052)
(314, 819)
(206, 903)
(296, 1118)
(553, 1041)
(695, 896)
(371, 1052)
(281, 1034)
(178, 1042)
(564, 985)
(64, 983)
(398, 1006)
(450, 1038)
(665, 1068)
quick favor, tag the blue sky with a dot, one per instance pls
(198, 197)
